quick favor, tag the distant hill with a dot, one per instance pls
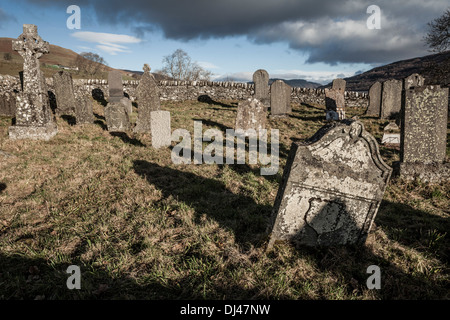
(298, 83)
(432, 67)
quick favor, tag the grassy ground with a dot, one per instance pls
(141, 227)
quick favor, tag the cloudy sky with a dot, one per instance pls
(309, 39)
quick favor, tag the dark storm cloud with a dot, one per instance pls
(330, 31)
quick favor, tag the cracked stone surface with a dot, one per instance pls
(332, 186)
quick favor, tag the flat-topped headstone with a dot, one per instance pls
(332, 186)
(83, 111)
(34, 118)
(261, 81)
(374, 100)
(115, 86)
(280, 99)
(161, 129)
(335, 100)
(65, 97)
(391, 99)
(148, 100)
(251, 114)
(117, 118)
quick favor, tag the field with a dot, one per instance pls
(141, 227)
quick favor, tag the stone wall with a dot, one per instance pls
(187, 90)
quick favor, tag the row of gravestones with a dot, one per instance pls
(332, 184)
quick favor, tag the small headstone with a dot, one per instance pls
(115, 86)
(280, 99)
(261, 81)
(374, 100)
(160, 128)
(83, 112)
(391, 136)
(332, 186)
(34, 118)
(391, 100)
(65, 97)
(117, 118)
(251, 114)
(148, 100)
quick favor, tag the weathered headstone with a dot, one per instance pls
(424, 134)
(391, 136)
(7, 105)
(148, 100)
(65, 97)
(115, 86)
(413, 81)
(261, 81)
(128, 104)
(34, 118)
(374, 100)
(160, 128)
(335, 100)
(280, 99)
(332, 186)
(83, 112)
(391, 99)
(117, 118)
(251, 114)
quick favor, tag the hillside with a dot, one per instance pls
(298, 83)
(432, 67)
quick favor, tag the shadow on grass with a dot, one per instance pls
(2, 187)
(125, 138)
(100, 121)
(207, 99)
(71, 120)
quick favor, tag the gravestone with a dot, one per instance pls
(83, 111)
(7, 105)
(128, 104)
(424, 134)
(34, 118)
(331, 189)
(251, 114)
(115, 86)
(160, 128)
(391, 98)
(335, 100)
(147, 94)
(117, 118)
(280, 99)
(391, 136)
(374, 100)
(65, 97)
(412, 81)
(261, 81)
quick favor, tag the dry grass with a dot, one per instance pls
(141, 227)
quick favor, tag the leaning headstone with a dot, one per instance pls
(251, 114)
(424, 134)
(391, 136)
(65, 97)
(160, 128)
(115, 86)
(335, 100)
(280, 99)
(261, 81)
(117, 118)
(374, 100)
(391, 99)
(83, 112)
(332, 186)
(34, 118)
(148, 100)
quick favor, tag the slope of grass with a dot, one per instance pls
(141, 227)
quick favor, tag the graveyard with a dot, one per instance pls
(129, 181)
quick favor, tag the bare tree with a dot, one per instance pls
(90, 63)
(7, 56)
(179, 66)
(438, 36)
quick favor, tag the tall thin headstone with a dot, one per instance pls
(261, 81)
(280, 99)
(148, 100)
(34, 118)
(65, 97)
(374, 100)
(391, 99)
(161, 129)
(331, 189)
(115, 86)
(335, 100)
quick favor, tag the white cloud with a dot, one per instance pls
(207, 65)
(108, 42)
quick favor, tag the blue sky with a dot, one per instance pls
(312, 40)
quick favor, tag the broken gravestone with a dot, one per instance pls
(332, 186)
(261, 81)
(65, 97)
(280, 99)
(34, 118)
(160, 128)
(148, 100)
(251, 114)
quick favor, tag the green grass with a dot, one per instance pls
(141, 227)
